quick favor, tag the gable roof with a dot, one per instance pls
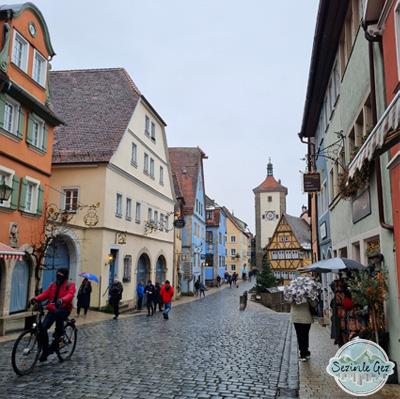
(186, 163)
(237, 222)
(13, 11)
(301, 230)
(96, 106)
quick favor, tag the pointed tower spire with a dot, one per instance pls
(270, 168)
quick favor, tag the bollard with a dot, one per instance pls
(243, 301)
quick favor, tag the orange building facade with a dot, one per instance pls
(26, 142)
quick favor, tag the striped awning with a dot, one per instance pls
(386, 131)
(7, 252)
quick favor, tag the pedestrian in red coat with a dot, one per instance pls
(59, 295)
(167, 292)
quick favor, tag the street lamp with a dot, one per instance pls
(110, 259)
(5, 192)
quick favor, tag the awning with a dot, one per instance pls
(386, 133)
(7, 252)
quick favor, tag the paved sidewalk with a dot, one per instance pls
(316, 383)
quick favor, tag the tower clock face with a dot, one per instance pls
(270, 215)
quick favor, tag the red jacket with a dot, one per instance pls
(66, 295)
(167, 294)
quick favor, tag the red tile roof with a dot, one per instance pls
(96, 106)
(270, 184)
(185, 164)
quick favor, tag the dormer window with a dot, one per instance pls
(39, 69)
(20, 52)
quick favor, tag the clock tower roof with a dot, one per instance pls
(270, 184)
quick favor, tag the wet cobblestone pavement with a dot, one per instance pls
(207, 349)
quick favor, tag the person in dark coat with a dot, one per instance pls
(84, 297)
(149, 291)
(197, 287)
(157, 300)
(115, 293)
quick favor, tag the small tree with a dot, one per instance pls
(265, 278)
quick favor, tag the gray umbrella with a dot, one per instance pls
(333, 265)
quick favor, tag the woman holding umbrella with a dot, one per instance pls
(301, 318)
(302, 292)
(84, 297)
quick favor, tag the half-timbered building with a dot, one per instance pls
(290, 247)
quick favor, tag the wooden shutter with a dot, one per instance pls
(14, 195)
(22, 195)
(2, 108)
(40, 200)
(21, 123)
(29, 129)
(45, 136)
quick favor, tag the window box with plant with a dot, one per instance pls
(348, 186)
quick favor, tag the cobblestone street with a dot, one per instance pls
(207, 349)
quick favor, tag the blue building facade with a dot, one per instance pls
(215, 242)
(187, 168)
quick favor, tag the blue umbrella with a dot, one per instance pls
(90, 276)
(243, 271)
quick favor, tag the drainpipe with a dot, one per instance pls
(311, 168)
(378, 173)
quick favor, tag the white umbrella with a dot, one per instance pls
(333, 265)
(302, 289)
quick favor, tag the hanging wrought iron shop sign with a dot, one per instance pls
(179, 223)
(311, 182)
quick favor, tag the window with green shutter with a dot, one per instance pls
(36, 132)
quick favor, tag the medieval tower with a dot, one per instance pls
(270, 204)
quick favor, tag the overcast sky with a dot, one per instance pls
(229, 76)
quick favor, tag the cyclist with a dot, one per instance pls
(59, 296)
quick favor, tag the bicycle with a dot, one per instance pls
(27, 347)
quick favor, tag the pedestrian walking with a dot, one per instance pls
(301, 317)
(197, 287)
(83, 297)
(234, 278)
(250, 274)
(230, 281)
(157, 300)
(149, 291)
(202, 289)
(140, 295)
(115, 293)
(218, 281)
(167, 292)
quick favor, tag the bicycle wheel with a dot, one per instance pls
(67, 343)
(25, 353)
